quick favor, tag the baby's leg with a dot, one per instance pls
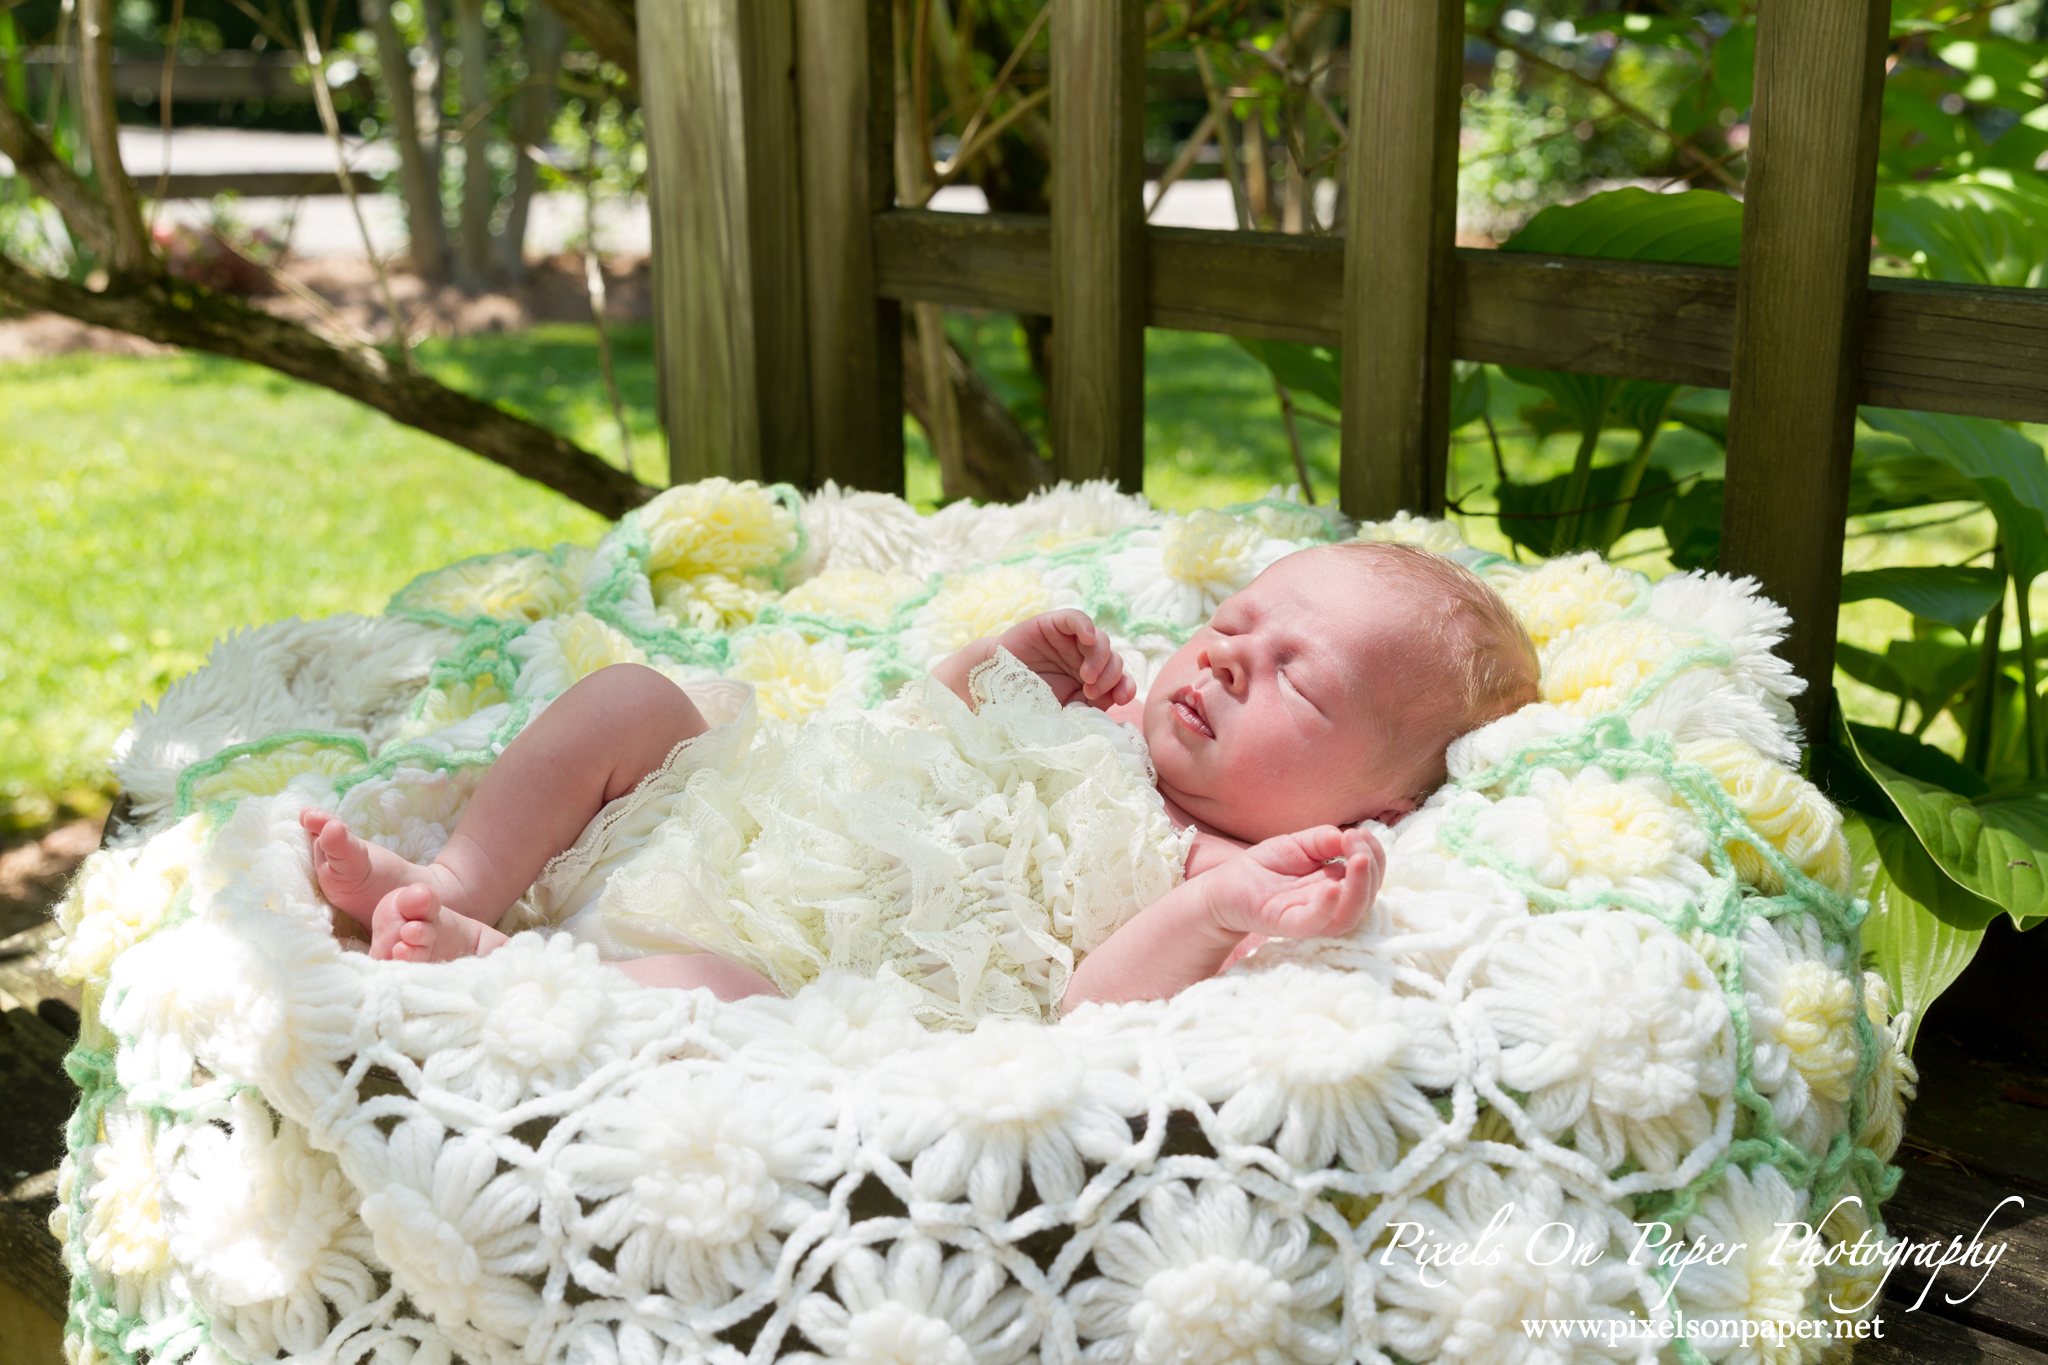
(686, 971)
(592, 746)
(420, 929)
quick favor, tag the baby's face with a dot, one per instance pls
(1283, 713)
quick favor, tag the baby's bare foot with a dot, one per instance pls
(355, 875)
(345, 865)
(411, 925)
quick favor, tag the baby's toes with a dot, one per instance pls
(415, 941)
(341, 856)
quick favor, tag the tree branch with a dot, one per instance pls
(81, 209)
(610, 27)
(998, 460)
(178, 313)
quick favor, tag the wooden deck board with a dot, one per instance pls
(1924, 1339)
(40, 1098)
(1989, 1116)
(1937, 1201)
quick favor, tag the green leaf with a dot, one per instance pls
(1692, 526)
(1583, 399)
(1917, 760)
(1971, 231)
(1708, 423)
(2018, 148)
(1888, 475)
(1918, 953)
(1957, 597)
(1695, 105)
(1643, 405)
(1985, 858)
(1303, 369)
(1934, 670)
(2008, 470)
(1872, 670)
(1530, 512)
(1697, 227)
(1735, 66)
(1469, 394)
(2001, 69)
(13, 71)
(1918, 138)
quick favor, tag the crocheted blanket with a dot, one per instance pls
(1601, 1052)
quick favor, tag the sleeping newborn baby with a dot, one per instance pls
(1320, 698)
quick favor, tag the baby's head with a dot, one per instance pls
(1328, 690)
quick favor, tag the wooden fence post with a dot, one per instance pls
(846, 124)
(1400, 229)
(1799, 303)
(717, 90)
(1098, 240)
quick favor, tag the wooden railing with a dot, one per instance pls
(786, 259)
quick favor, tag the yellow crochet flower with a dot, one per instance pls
(1291, 522)
(267, 773)
(119, 898)
(792, 677)
(1820, 1005)
(1618, 829)
(1894, 1079)
(709, 601)
(1405, 529)
(453, 701)
(588, 644)
(124, 1230)
(1848, 1291)
(716, 526)
(1597, 668)
(1781, 806)
(971, 606)
(1209, 549)
(1564, 594)
(868, 596)
(517, 586)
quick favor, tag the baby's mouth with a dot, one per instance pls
(1187, 706)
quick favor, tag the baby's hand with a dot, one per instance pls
(1314, 884)
(1067, 650)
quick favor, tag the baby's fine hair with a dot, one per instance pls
(1489, 657)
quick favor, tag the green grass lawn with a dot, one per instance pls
(156, 504)
(159, 503)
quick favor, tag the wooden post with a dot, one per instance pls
(717, 90)
(1400, 229)
(846, 123)
(1098, 240)
(1798, 315)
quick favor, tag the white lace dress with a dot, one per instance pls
(976, 853)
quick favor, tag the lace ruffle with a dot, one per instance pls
(973, 853)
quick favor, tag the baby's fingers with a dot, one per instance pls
(1102, 673)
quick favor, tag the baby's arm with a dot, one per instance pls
(1307, 885)
(1063, 647)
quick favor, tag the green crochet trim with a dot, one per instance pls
(186, 801)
